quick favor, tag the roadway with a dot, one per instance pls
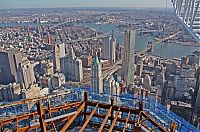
(112, 69)
(90, 38)
(156, 43)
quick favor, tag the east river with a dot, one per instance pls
(166, 50)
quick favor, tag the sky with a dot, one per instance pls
(9, 4)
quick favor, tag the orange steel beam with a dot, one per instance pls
(105, 120)
(173, 127)
(88, 119)
(115, 107)
(29, 128)
(49, 112)
(126, 122)
(154, 122)
(32, 100)
(41, 117)
(26, 116)
(114, 121)
(143, 120)
(17, 127)
(146, 127)
(66, 126)
(109, 118)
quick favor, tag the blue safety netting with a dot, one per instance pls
(154, 108)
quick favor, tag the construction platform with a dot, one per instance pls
(82, 110)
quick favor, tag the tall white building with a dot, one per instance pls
(25, 74)
(72, 67)
(108, 49)
(128, 61)
(59, 52)
(96, 76)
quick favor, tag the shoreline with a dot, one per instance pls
(192, 44)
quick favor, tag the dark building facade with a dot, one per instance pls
(9, 62)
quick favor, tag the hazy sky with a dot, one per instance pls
(5, 4)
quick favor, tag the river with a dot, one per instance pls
(166, 50)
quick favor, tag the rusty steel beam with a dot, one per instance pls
(105, 120)
(66, 126)
(49, 113)
(146, 127)
(88, 119)
(32, 100)
(29, 128)
(126, 122)
(85, 109)
(26, 116)
(143, 120)
(114, 121)
(97, 125)
(173, 127)
(41, 117)
(161, 128)
(115, 107)
(118, 119)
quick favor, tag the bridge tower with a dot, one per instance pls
(150, 45)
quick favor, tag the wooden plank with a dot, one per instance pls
(66, 126)
(126, 121)
(105, 120)
(114, 122)
(88, 119)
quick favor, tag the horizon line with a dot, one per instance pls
(85, 7)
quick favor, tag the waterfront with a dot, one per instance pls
(169, 50)
(166, 50)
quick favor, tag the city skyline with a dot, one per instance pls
(87, 68)
(10, 4)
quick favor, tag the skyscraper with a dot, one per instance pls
(10, 61)
(108, 48)
(96, 76)
(25, 74)
(128, 61)
(72, 67)
(59, 52)
(196, 98)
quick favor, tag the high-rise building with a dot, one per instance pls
(10, 92)
(139, 68)
(128, 61)
(57, 80)
(32, 92)
(108, 48)
(10, 61)
(87, 60)
(71, 66)
(25, 74)
(96, 76)
(59, 52)
(196, 98)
